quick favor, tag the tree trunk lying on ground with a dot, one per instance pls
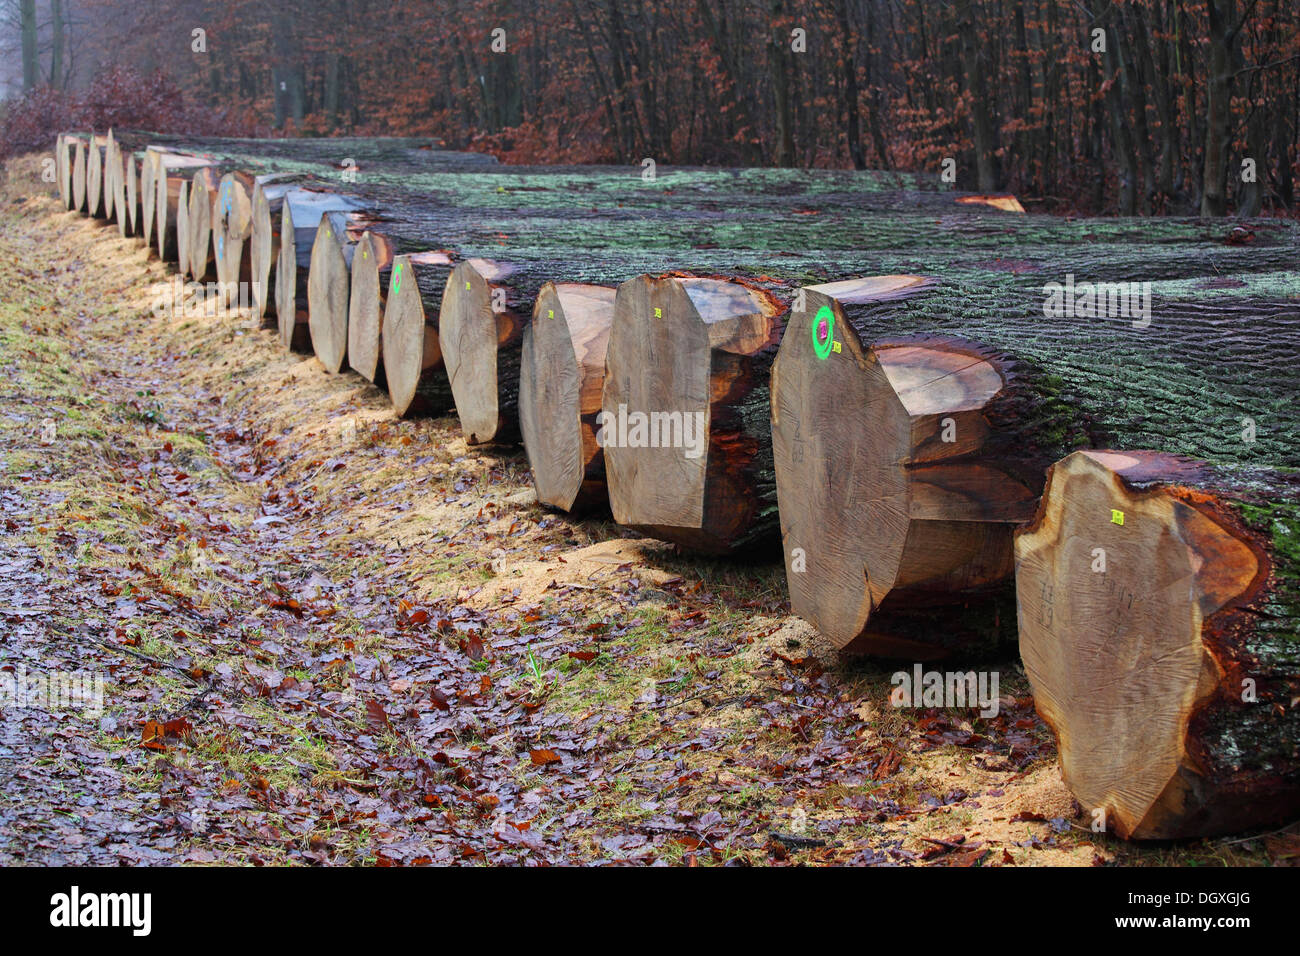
(231, 230)
(64, 156)
(300, 215)
(1159, 607)
(561, 385)
(80, 149)
(200, 262)
(131, 197)
(685, 413)
(485, 310)
(172, 173)
(95, 176)
(372, 267)
(264, 238)
(902, 466)
(413, 362)
(329, 285)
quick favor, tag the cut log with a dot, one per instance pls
(481, 332)
(172, 173)
(685, 421)
(183, 229)
(1159, 606)
(112, 157)
(902, 466)
(200, 252)
(328, 289)
(413, 366)
(149, 166)
(65, 153)
(95, 176)
(561, 385)
(80, 149)
(372, 267)
(264, 239)
(300, 215)
(231, 231)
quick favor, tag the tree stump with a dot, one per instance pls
(561, 384)
(1159, 607)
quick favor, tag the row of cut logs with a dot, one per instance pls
(948, 468)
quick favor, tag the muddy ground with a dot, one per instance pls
(327, 636)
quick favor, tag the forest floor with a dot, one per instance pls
(329, 636)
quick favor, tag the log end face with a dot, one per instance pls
(839, 440)
(404, 338)
(658, 367)
(468, 334)
(364, 305)
(1111, 637)
(550, 417)
(327, 296)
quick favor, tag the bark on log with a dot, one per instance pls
(902, 466)
(561, 384)
(1159, 601)
(685, 419)
(413, 362)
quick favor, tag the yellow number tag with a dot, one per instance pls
(1116, 517)
(659, 313)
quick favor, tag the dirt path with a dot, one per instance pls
(326, 636)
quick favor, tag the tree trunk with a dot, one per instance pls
(328, 286)
(264, 239)
(481, 333)
(1159, 600)
(81, 148)
(372, 269)
(232, 228)
(561, 381)
(300, 216)
(902, 468)
(172, 173)
(27, 28)
(413, 365)
(685, 420)
(1218, 105)
(57, 29)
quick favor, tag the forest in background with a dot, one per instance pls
(1101, 106)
